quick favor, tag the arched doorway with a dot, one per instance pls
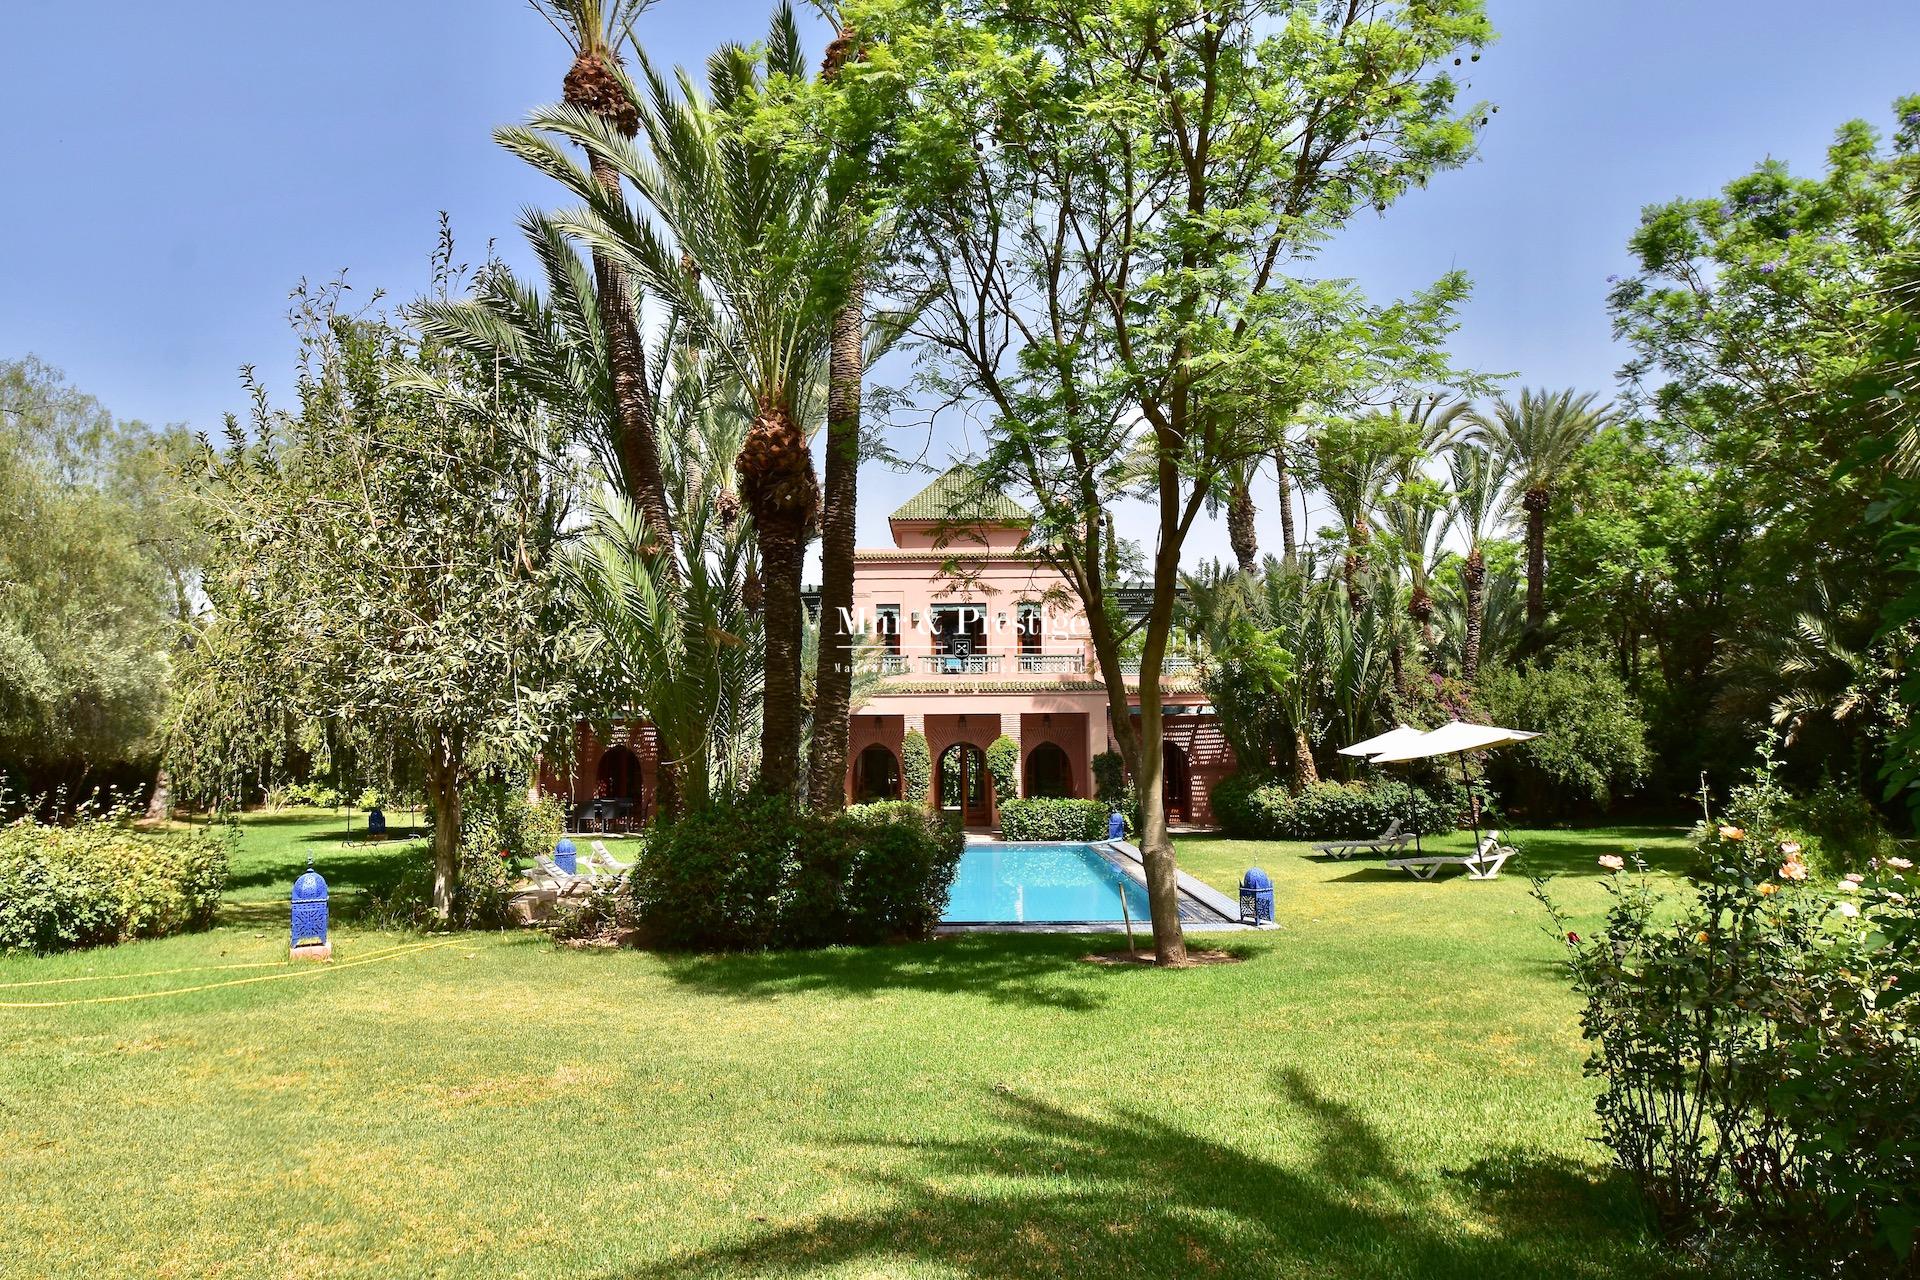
(618, 788)
(961, 783)
(1176, 783)
(876, 775)
(1048, 773)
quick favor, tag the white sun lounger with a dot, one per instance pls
(1483, 863)
(602, 858)
(1391, 838)
(564, 885)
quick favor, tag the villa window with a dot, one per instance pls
(1029, 628)
(886, 622)
(959, 630)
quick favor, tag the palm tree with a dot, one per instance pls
(661, 611)
(1289, 538)
(1474, 509)
(1413, 512)
(747, 255)
(596, 84)
(1537, 438)
(1353, 460)
(846, 367)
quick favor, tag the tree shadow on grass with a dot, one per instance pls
(1038, 970)
(1125, 1195)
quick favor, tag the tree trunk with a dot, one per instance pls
(1289, 546)
(1156, 842)
(1535, 502)
(833, 677)
(1475, 574)
(1420, 609)
(443, 788)
(777, 480)
(591, 86)
(1240, 530)
(1305, 772)
(1358, 537)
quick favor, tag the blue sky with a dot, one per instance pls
(160, 203)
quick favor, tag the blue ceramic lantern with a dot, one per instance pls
(376, 821)
(1256, 897)
(309, 910)
(1116, 826)
(566, 857)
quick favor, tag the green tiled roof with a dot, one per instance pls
(955, 496)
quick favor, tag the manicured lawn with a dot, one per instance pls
(1388, 1086)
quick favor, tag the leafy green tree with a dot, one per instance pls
(1593, 744)
(97, 576)
(1768, 333)
(1108, 218)
(384, 559)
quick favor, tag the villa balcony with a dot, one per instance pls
(1173, 664)
(961, 664)
(1056, 664)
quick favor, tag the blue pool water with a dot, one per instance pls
(1003, 883)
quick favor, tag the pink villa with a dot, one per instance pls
(975, 638)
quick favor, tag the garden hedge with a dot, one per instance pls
(752, 874)
(1251, 808)
(99, 881)
(1049, 819)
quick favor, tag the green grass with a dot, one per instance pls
(1388, 1086)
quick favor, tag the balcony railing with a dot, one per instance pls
(962, 664)
(1052, 663)
(892, 664)
(1171, 664)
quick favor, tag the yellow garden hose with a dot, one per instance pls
(304, 971)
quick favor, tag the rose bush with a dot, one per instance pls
(1758, 1046)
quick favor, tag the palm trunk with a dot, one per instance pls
(443, 788)
(1289, 547)
(777, 480)
(1420, 609)
(1305, 772)
(1358, 537)
(591, 86)
(833, 677)
(1240, 530)
(1476, 584)
(1535, 502)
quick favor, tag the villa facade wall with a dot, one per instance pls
(943, 612)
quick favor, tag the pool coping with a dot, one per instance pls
(1126, 858)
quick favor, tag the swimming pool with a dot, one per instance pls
(1002, 883)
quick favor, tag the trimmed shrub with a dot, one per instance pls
(99, 882)
(1110, 778)
(752, 874)
(1003, 766)
(1250, 808)
(1048, 819)
(916, 766)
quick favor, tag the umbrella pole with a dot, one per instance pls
(1473, 803)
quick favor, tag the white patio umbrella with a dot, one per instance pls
(1456, 738)
(1392, 740)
